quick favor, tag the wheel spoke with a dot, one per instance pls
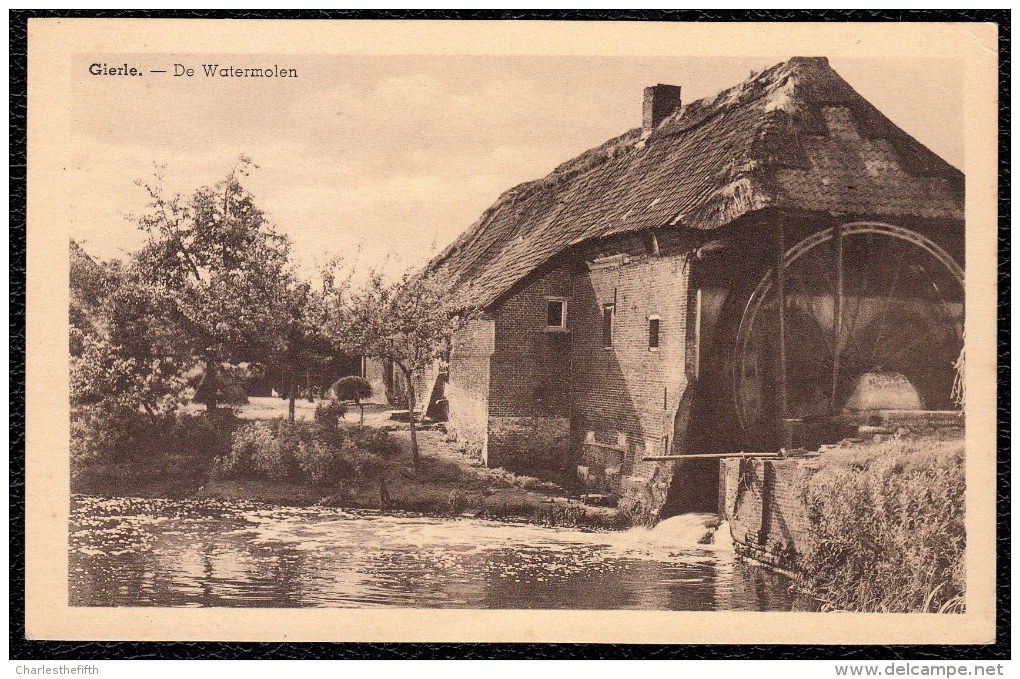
(899, 308)
(887, 301)
(861, 296)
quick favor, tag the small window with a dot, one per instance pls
(556, 314)
(607, 325)
(653, 332)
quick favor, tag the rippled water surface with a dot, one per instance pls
(145, 552)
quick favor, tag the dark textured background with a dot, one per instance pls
(20, 648)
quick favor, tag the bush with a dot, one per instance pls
(351, 388)
(279, 450)
(889, 527)
(374, 441)
(204, 435)
(329, 414)
(106, 435)
(175, 444)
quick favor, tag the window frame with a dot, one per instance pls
(564, 314)
(611, 309)
(658, 332)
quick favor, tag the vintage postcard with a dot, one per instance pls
(511, 331)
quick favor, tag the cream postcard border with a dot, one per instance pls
(51, 42)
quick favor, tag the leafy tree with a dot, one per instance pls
(120, 359)
(352, 388)
(217, 270)
(303, 343)
(407, 322)
(125, 384)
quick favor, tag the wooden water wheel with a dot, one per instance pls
(857, 298)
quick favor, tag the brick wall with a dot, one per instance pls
(557, 399)
(531, 364)
(629, 389)
(468, 388)
(762, 501)
(530, 444)
(529, 381)
(626, 396)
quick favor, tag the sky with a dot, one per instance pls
(389, 158)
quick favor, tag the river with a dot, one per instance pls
(153, 552)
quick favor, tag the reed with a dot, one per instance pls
(888, 521)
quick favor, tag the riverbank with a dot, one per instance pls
(872, 526)
(446, 482)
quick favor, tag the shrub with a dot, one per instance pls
(176, 445)
(203, 435)
(320, 463)
(265, 449)
(351, 388)
(374, 441)
(106, 433)
(889, 527)
(329, 414)
(315, 453)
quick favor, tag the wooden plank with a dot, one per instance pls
(703, 456)
(781, 293)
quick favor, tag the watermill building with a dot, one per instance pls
(630, 301)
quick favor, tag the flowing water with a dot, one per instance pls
(151, 552)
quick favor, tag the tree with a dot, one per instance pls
(352, 388)
(217, 268)
(408, 323)
(122, 357)
(125, 377)
(303, 342)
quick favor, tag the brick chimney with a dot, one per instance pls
(661, 101)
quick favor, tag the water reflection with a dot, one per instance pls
(143, 552)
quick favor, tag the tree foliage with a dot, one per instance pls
(351, 388)
(216, 267)
(213, 283)
(217, 272)
(407, 322)
(120, 359)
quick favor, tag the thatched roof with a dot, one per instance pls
(795, 136)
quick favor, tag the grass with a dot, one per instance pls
(888, 522)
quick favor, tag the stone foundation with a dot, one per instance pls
(642, 487)
(762, 501)
(528, 444)
(642, 497)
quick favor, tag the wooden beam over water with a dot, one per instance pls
(703, 456)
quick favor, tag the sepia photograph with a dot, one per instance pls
(414, 328)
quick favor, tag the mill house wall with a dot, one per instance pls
(625, 396)
(526, 396)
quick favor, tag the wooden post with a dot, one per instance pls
(697, 333)
(781, 295)
(837, 312)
